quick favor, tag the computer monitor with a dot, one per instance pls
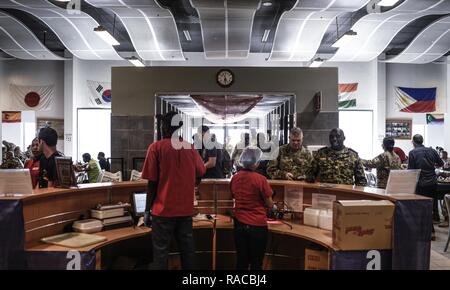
(139, 203)
(15, 182)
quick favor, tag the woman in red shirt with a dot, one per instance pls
(252, 197)
(33, 162)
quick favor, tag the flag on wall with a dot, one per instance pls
(435, 119)
(347, 95)
(100, 93)
(11, 117)
(31, 98)
(413, 100)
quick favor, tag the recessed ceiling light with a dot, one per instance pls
(187, 35)
(105, 35)
(387, 2)
(266, 35)
(316, 62)
(267, 4)
(135, 61)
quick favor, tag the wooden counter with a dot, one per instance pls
(52, 211)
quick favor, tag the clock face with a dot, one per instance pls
(225, 78)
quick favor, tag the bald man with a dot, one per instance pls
(337, 163)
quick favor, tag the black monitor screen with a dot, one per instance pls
(139, 201)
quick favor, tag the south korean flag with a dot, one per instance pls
(100, 94)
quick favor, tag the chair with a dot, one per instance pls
(100, 176)
(135, 175)
(447, 204)
(112, 177)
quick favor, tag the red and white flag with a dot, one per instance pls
(31, 98)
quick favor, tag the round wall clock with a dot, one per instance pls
(225, 78)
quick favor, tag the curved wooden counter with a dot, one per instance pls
(51, 211)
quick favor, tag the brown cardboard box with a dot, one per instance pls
(362, 224)
(316, 260)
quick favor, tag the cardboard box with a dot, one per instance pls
(316, 260)
(362, 224)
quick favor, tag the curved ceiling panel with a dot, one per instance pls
(152, 29)
(300, 31)
(226, 26)
(75, 30)
(432, 43)
(18, 41)
(376, 31)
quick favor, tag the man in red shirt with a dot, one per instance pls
(253, 196)
(33, 162)
(171, 167)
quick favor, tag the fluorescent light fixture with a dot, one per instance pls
(266, 35)
(187, 35)
(135, 61)
(344, 39)
(267, 4)
(387, 2)
(104, 34)
(316, 62)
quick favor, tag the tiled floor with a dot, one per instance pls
(440, 260)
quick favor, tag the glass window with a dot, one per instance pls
(94, 132)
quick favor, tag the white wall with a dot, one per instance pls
(418, 76)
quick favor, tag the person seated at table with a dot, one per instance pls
(33, 162)
(444, 156)
(253, 196)
(91, 167)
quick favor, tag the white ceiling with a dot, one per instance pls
(298, 31)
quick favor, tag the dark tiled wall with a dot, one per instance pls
(130, 137)
(317, 126)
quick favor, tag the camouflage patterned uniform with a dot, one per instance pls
(383, 163)
(289, 161)
(340, 167)
(14, 163)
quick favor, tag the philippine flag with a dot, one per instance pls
(412, 100)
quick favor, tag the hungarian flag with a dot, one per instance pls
(435, 119)
(31, 98)
(11, 117)
(412, 100)
(100, 93)
(347, 95)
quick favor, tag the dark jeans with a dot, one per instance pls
(429, 191)
(250, 244)
(162, 230)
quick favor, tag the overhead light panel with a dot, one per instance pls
(187, 35)
(387, 2)
(347, 37)
(105, 35)
(265, 35)
(136, 61)
(267, 4)
(317, 62)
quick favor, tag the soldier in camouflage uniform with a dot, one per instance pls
(292, 160)
(337, 163)
(384, 162)
(11, 162)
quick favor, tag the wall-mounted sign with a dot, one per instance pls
(399, 128)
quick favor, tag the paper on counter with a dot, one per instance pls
(402, 181)
(15, 182)
(293, 197)
(323, 201)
